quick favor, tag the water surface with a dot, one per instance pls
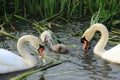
(77, 67)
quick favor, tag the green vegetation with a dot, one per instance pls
(44, 13)
(107, 10)
(98, 10)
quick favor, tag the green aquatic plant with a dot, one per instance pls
(106, 10)
(51, 10)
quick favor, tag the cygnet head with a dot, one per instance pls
(60, 48)
(46, 36)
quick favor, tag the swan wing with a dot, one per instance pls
(113, 54)
(10, 62)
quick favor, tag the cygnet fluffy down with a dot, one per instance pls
(60, 48)
(46, 38)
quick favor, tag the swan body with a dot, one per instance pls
(46, 36)
(10, 62)
(113, 54)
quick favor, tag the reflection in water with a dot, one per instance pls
(42, 77)
(100, 69)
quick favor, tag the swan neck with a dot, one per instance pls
(23, 52)
(99, 48)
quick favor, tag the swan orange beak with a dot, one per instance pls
(40, 50)
(84, 44)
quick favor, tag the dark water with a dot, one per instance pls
(78, 66)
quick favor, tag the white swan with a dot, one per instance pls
(113, 54)
(10, 62)
(46, 36)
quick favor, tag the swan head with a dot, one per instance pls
(40, 50)
(41, 53)
(86, 37)
(89, 33)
